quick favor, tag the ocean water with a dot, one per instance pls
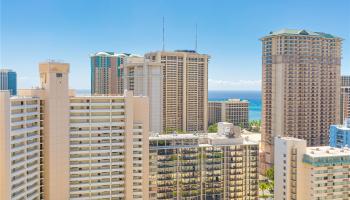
(254, 98)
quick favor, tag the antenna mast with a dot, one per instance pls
(196, 40)
(163, 32)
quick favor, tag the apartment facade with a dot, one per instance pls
(339, 135)
(144, 78)
(8, 80)
(219, 165)
(310, 172)
(184, 89)
(91, 147)
(233, 111)
(300, 84)
(19, 147)
(345, 98)
(109, 147)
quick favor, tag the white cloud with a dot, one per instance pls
(234, 85)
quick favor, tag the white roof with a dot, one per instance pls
(327, 151)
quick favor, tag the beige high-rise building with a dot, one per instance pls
(19, 147)
(233, 111)
(109, 147)
(184, 89)
(301, 87)
(201, 166)
(144, 78)
(63, 146)
(345, 98)
(310, 173)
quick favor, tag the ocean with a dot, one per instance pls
(254, 98)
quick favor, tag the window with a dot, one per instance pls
(59, 75)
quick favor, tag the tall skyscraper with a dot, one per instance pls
(201, 166)
(19, 147)
(144, 78)
(109, 147)
(311, 173)
(345, 98)
(233, 111)
(184, 89)
(74, 147)
(104, 73)
(301, 87)
(8, 81)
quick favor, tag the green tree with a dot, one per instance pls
(263, 186)
(254, 125)
(270, 173)
(213, 128)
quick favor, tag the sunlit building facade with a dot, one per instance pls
(345, 98)
(19, 147)
(300, 87)
(220, 165)
(233, 111)
(184, 89)
(311, 173)
(73, 147)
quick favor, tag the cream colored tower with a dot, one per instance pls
(109, 147)
(185, 89)
(54, 83)
(19, 147)
(144, 78)
(301, 87)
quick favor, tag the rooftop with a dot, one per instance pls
(327, 151)
(216, 138)
(301, 32)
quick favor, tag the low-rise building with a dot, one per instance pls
(221, 165)
(233, 111)
(310, 173)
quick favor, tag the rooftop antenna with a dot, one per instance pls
(196, 40)
(163, 32)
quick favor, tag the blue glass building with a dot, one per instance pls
(8, 81)
(339, 135)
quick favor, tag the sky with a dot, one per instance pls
(33, 31)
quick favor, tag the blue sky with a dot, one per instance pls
(70, 30)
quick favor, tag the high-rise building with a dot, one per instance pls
(233, 111)
(90, 146)
(109, 147)
(121, 61)
(220, 165)
(19, 147)
(104, 73)
(339, 135)
(54, 135)
(300, 87)
(310, 172)
(184, 89)
(345, 98)
(8, 81)
(144, 78)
